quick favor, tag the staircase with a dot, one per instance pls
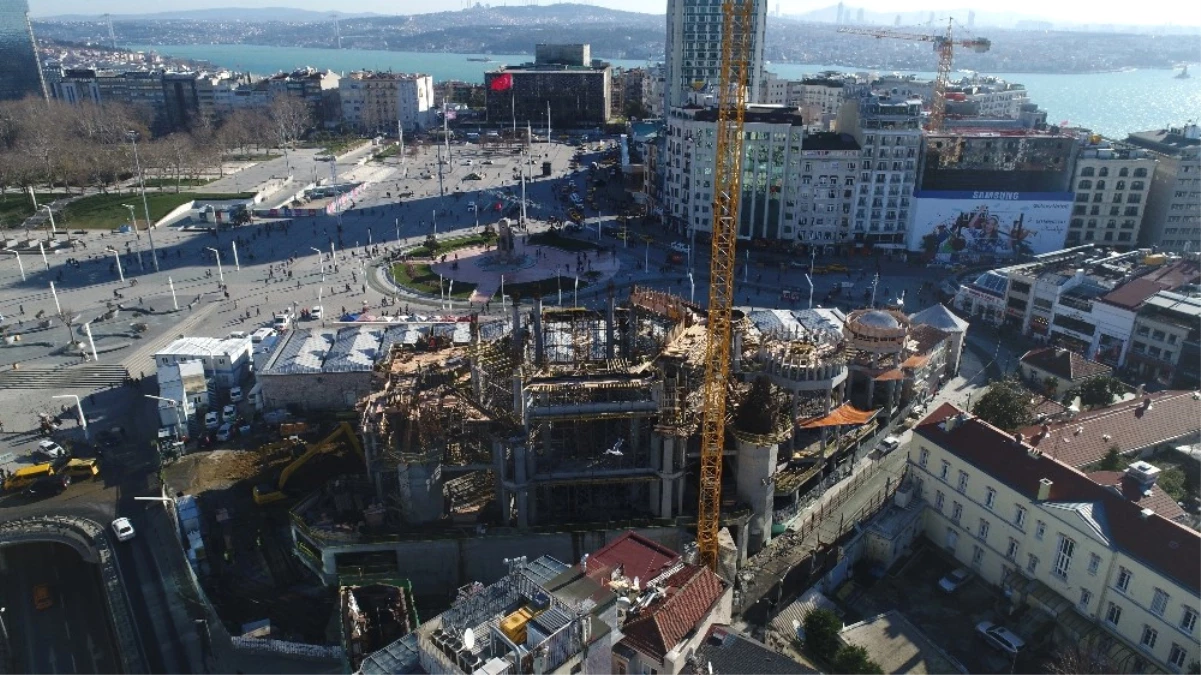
(94, 376)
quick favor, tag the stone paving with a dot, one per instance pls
(535, 263)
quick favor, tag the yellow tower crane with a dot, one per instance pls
(945, 46)
(738, 27)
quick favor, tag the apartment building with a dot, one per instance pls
(1112, 183)
(1099, 553)
(574, 95)
(797, 186)
(1173, 217)
(889, 131)
(693, 48)
(1167, 340)
(373, 102)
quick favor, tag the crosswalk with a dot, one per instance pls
(93, 376)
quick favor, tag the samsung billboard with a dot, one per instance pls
(983, 225)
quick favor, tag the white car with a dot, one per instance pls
(235, 394)
(51, 450)
(228, 413)
(889, 444)
(317, 311)
(680, 247)
(211, 420)
(953, 580)
(123, 529)
(1000, 637)
(224, 432)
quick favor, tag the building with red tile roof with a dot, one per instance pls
(664, 623)
(633, 556)
(1136, 427)
(1068, 368)
(1106, 566)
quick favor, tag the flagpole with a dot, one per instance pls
(446, 128)
(548, 121)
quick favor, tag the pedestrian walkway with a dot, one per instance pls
(90, 376)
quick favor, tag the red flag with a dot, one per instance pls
(502, 82)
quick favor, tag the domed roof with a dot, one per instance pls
(879, 319)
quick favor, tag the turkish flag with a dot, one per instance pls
(502, 82)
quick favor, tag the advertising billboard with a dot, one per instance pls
(984, 225)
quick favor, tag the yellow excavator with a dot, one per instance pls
(268, 493)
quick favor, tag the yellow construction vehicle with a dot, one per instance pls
(268, 493)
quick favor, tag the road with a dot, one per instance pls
(71, 636)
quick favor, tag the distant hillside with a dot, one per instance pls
(252, 15)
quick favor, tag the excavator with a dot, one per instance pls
(267, 493)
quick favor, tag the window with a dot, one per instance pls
(1189, 621)
(1085, 597)
(1094, 563)
(923, 457)
(938, 500)
(1012, 551)
(1063, 557)
(1159, 603)
(977, 556)
(1177, 655)
(1019, 517)
(1124, 577)
(1031, 563)
(962, 486)
(1150, 635)
(1040, 530)
(983, 531)
(956, 511)
(946, 469)
(990, 498)
(1114, 614)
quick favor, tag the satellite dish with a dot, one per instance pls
(469, 639)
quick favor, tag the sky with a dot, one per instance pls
(1155, 12)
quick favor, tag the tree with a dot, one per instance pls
(1079, 658)
(1112, 460)
(1050, 384)
(1006, 405)
(68, 316)
(290, 117)
(1100, 391)
(853, 659)
(821, 633)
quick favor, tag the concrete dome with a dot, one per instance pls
(878, 319)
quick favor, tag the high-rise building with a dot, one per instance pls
(20, 73)
(375, 101)
(1173, 217)
(694, 48)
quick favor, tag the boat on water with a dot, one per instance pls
(481, 59)
(1183, 74)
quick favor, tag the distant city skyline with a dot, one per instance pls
(1149, 12)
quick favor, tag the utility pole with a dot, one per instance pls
(133, 139)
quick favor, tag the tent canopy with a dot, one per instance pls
(844, 415)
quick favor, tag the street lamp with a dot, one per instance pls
(133, 221)
(133, 139)
(117, 256)
(321, 261)
(87, 327)
(83, 421)
(181, 404)
(50, 211)
(20, 264)
(217, 254)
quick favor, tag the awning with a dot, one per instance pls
(844, 415)
(890, 374)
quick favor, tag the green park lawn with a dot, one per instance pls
(546, 288)
(419, 277)
(108, 211)
(561, 241)
(15, 206)
(452, 244)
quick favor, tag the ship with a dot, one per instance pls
(481, 59)
(1183, 74)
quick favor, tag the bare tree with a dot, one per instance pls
(1080, 658)
(68, 317)
(290, 117)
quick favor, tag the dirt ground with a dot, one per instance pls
(212, 470)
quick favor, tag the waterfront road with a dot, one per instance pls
(72, 635)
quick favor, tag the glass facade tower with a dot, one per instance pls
(20, 71)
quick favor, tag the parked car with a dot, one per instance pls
(48, 486)
(951, 582)
(123, 529)
(1000, 637)
(679, 247)
(889, 444)
(317, 312)
(224, 432)
(235, 394)
(228, 413)
(211, 420)
(51, 450)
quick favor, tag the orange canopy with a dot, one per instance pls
(845, 414)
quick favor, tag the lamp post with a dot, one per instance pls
(133, 221)
(320, 261)
(57, 307)
(87, 327)
(20, 264)
(692, 289)
(42, 250)
(217, 254)
(133, 138)
(810, 280)
(174, 302)
(117, 257)
(182, 404)
(50, 212)
(237, 265)
(83, 421)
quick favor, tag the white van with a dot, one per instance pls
(261, 334)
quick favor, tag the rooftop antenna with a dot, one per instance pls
(112, 35)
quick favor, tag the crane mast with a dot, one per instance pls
(945, 46)
(738, 25)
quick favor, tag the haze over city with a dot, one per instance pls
(1150, 13)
